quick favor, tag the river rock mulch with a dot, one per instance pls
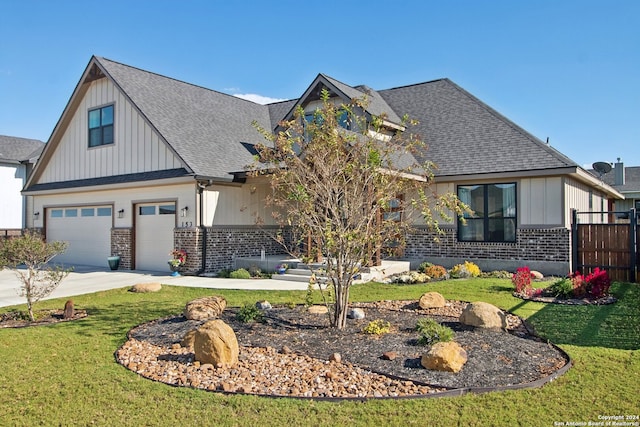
(290, 352)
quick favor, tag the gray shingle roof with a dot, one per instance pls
(206, 128)
(377, 105)
(631, 181)
(14, 149)
(465, 136)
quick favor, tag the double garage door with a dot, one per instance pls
(87, 229)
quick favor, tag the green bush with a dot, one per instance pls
(422, 268)
(240, 273)
(562, 288)
(432, 332)
(249, 313)
(377, 327)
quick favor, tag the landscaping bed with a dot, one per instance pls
(288, 354)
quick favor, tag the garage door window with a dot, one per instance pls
(147, 210)
(167, 209)
(104, 211)
(88, 212)
(71, 213)
(56, 213)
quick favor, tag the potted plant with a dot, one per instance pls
(178, 260)
(114, 262)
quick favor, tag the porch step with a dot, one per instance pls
(294, 275)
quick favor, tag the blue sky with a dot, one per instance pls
(568, 70)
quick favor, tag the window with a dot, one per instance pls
(71, 213)
(101, 126)
(147, 210)
(167, 209)
(494, 217)
(87, 212)
(56, 213)
(104, 211)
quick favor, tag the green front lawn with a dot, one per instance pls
(65, 374)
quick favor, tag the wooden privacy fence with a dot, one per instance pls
(610, 246)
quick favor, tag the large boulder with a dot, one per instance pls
(146, 287)
(431, 300)
(355, 313)
(205, 308)
(445, 356)
(483, 315)
(215, 342)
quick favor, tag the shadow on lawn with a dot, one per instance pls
(613, 326)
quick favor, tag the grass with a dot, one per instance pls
(65, 374)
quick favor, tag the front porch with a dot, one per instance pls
(299, 271)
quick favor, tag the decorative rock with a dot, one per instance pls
(335, 357)
(318, 309)
(205, 308)
(68, 310)
(187, 341)
(445, 356)
(389, 355)
(146, 287)
(286, 350)
(537, 275)
(264, 305)
(483, 315)
(355, 313)
(431, 300)
(216, 343)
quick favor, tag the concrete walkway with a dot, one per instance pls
(85, 280)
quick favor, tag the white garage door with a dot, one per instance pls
(154, 235)
(87, 229)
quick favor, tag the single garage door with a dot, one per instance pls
(87, 229)
(154, 235)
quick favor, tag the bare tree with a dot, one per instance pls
(340, 187)
(38, 279)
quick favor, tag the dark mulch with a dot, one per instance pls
(18, 319)
(495, 358)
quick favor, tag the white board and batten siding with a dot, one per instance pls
(541, 202)
(136, 148)
(585, 199)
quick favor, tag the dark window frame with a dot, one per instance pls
(102, 133)
(487, 217)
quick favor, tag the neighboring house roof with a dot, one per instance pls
(19, 150)
(631, 179)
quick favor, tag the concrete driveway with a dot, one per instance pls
(85, 280)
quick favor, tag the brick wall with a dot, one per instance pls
(122, 246)
(223, 245)
(540, 245)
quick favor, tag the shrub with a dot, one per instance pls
(377, 327)
(432, 332)
(598, 283)
(562, 288)
(468, 269)
(497, 274)
(521, 279)
(249, 313)
(435, 271)
(595, 285)
(422, 268)
(240, 273)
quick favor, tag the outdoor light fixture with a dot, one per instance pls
(183, 211)
(121, 213)
(36, 215)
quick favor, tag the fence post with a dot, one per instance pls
(633, 233)
(574, 240)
